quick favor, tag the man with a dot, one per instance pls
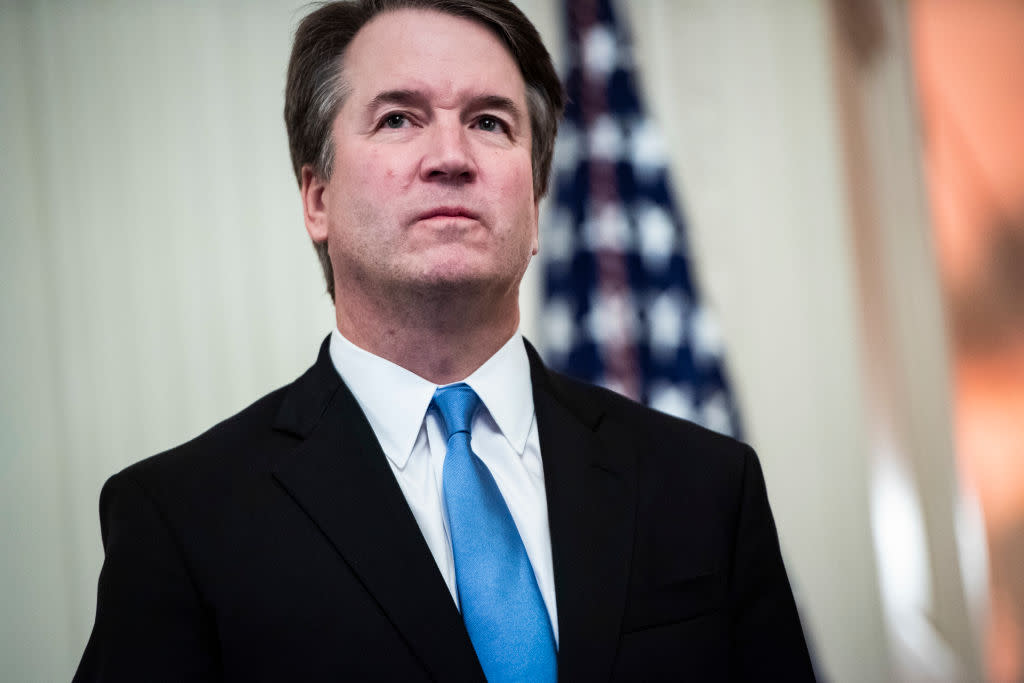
(428, 502)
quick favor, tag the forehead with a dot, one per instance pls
(444, 55)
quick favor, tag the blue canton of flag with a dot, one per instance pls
(620, 308)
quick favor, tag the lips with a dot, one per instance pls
(448, 212)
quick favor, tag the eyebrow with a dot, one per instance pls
(416, 98)
(498, 102)
(403, 97)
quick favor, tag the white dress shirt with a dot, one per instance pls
(503, 435)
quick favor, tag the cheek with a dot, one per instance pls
(368, 187)
(367, 168)
(521, 212)
(384, 165)
(517, 184)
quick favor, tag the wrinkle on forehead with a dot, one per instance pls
(443, 48)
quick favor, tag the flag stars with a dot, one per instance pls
(715, 415)
(705, 336)
(605, 139)
(674, 400)
(567, 147)
(612, 319)
(558, 327)
(620, 307)
(666, 325)
(557, 239)
(646, 150)
(600, 51)
(657, 233)
(607, 227)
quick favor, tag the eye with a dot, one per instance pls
(395, 121)
(490, 124)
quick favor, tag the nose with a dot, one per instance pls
(448, 157)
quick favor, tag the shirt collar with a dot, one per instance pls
(503, 385)
(395, 400)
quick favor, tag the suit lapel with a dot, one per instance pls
(340, 477)
(590, 483)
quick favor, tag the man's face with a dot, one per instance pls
(432, 184)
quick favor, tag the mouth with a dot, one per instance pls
(448, 212)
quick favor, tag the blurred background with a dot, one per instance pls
(847, 178)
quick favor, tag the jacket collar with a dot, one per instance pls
(339, 476)
(590, 483)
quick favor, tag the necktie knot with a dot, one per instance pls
(457, 404)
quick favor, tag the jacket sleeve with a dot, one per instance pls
(150, 620)
(767, 639)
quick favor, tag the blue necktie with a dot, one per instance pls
(501, 604)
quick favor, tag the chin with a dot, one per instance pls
(455, 268)
(454, 280)
(462, 280)
(463, 271)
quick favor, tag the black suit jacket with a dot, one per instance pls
(278, 547)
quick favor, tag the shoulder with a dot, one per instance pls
(602, 409)
(250, 441)
(245, 442)
(666, 452)
(665, 434)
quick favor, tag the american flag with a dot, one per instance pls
(620, 308)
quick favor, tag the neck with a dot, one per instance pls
(442, 339)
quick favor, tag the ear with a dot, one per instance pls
(314, 209)
(536, 228)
